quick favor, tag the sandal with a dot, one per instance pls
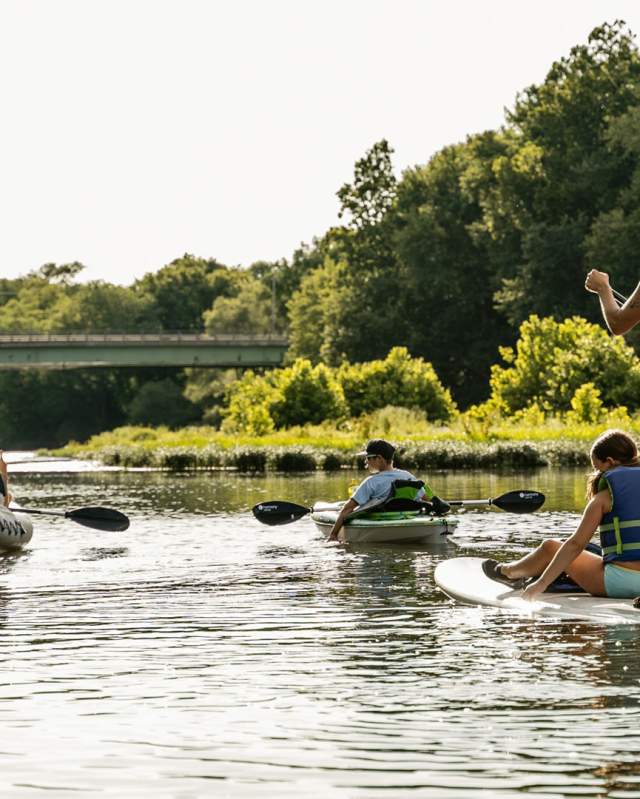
(492, 568)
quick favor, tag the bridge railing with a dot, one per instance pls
(8, 339)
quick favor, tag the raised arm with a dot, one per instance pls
(619, 319)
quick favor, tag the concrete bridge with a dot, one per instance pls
(75, 350)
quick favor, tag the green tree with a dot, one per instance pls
(161, 402)
(45, 408)
(63, 273)
(312, 320)
(99, 307)
(614, 238)
(448, 263)
(184, 289)
(248, 311)
(560, 174)
(367, 307)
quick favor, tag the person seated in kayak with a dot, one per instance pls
(5, 496)
(613, 491)
(379, 485)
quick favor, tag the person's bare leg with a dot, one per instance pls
(533, 564)
(588, 571)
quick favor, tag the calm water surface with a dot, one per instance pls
(203, 654)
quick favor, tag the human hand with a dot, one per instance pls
(531, 592)
(596, 281)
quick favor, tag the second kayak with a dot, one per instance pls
(383, 526)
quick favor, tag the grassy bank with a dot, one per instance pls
(463, 445)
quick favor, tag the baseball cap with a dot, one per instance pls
(378, 446)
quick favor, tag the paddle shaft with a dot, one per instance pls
(458, 502)
(620, 298)
(43, 512)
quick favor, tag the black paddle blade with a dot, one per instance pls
(99, 518)
(519, 501)
(279, 512)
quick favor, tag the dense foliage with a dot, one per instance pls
(307, 394)
(553, 360)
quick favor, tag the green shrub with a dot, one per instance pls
(248, 401)
(553, 360)
(247, 459)
(399, 380)
(586, 405)
(177, 459)
(332, 460)
(306, 394)
(210, 457)
(292, 459)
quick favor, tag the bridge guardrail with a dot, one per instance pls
(139, 338)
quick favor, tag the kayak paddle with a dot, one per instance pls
(98, 518)
(279, 512)
(512, 502)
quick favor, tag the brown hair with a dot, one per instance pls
(614, 444)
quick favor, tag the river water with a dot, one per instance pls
(202, 654)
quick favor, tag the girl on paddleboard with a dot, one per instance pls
(613, 491)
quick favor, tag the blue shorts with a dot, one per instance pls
(620, 582)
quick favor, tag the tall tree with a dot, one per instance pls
(560, 173)
(184, 289)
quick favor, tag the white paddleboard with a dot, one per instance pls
(463, 579)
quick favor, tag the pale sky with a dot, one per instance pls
(134, 131)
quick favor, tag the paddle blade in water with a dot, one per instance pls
(519, 501)
(279, 512)
(99, 518)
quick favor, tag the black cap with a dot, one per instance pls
(378, 446)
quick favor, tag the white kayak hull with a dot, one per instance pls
(463, 580)
(412, 528)
(16, 530)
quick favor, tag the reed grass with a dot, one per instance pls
(468, 442)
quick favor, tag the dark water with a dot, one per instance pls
(202, 654)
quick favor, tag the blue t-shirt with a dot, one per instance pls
(378, 486)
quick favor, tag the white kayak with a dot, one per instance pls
(463, 579)
(16, 529)
(383, 527)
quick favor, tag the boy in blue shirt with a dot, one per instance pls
(378, 486)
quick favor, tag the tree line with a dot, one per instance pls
(448, 260)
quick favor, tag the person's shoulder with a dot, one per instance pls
(403, 474)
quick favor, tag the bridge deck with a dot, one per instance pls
(75, 350)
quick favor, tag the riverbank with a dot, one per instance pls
(321, 449)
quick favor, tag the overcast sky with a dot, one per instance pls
(134, 131)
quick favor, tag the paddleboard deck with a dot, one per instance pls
(463, 580)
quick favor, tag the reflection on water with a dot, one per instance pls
(200, 653)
